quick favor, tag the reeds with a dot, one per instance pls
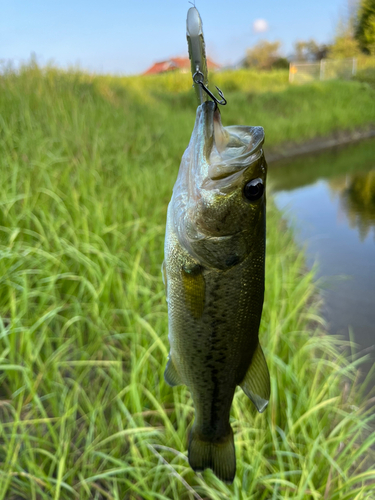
(87, 167)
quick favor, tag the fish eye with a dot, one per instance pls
(254, 189)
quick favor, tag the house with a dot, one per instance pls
(176, 64)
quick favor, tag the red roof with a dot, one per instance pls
(176, 63)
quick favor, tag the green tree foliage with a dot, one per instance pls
(357, 198)
(265, 55)
(365, 26)
(345, 44)
(310, 50)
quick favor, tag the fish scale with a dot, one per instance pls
(214, 275)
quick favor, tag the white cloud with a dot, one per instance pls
(260, 25)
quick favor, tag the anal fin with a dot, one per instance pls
(171, 375)
(256, 384)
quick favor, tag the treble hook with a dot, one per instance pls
(197, 74)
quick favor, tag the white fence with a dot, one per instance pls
(326, 69)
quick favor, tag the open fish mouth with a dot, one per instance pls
(210, 213)
(217, 156)
(227, 150)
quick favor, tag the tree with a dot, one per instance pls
(357, 198)
(345, 45)
(265, 55)
(365, 26)
(310, 50)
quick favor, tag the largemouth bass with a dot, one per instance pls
(214, 277)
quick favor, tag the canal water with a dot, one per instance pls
(329, 198)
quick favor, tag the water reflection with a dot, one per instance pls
(357, 196)
(330, 199)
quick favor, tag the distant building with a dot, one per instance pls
(176, 64)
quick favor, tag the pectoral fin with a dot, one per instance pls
(256, 384)
(171, 375)
(194, 291)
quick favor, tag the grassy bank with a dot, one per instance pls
(304, 170)
(87, 167)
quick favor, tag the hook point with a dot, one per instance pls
(200, 82)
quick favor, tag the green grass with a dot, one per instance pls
(242, 79)
(87, 168)
(366, 75)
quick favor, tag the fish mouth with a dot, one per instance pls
(209, 187)
(227, 151)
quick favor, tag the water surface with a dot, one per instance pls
(330, 200)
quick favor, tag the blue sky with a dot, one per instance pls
(126, 37)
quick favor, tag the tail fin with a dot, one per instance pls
(218, 456)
